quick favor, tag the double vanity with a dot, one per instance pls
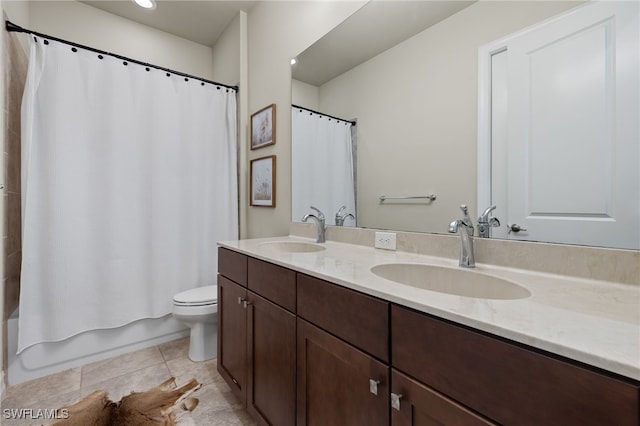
(347, 334)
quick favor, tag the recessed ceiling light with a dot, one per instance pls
(147, 4)
(294, 61)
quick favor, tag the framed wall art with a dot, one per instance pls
(263, 127)
(262, 183)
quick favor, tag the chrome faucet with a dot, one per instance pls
(341, 216)
(465, 226)
(485, 223)
(319, 219)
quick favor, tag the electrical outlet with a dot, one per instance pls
(385, 240)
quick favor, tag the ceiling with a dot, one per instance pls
(376, 27)
(200, 21)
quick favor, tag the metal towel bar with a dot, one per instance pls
(430, 197)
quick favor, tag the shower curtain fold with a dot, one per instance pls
(129, 180)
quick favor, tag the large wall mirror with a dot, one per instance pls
(415, 101)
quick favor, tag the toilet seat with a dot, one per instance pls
(199, 296)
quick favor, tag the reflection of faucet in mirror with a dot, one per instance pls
(322, 163)
(465, 226)
(319, 219)
(485, 223)
(383, 109)
(341, 216)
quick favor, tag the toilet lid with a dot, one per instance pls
(200, 295)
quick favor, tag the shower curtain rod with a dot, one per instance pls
(322, 113)
(11, 27)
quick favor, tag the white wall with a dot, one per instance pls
(416, 106)
(226, 54)
(17, 11)
(278, 31)
(305, 95)
(230, 67)
(83, 24)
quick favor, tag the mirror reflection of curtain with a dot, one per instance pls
(322, 172)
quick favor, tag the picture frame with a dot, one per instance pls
(263, 127)
(262, 181)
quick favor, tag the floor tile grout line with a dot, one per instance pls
(129, 373)
(82, 371)
(81, 378)
(162, 353)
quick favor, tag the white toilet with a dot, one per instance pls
(198, 308)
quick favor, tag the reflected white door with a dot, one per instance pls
(572, 128)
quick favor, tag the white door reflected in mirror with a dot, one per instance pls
(565, 132)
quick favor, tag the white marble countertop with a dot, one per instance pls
(595, 322)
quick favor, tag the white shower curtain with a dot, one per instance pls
(128, 181)
(322, 171)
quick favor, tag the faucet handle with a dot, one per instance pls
(484, 217)
(465, 212)
(320, 214)
(466, 219)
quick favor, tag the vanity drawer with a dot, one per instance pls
(273, 282)
(232, 265)
(357, 318)
(420, 405)
(507, 382)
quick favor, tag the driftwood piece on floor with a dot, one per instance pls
(161, 405)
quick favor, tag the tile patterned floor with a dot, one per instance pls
(135, 371)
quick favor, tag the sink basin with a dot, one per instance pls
(292, 246)
(459, 282)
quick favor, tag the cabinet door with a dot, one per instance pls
(271, 390)
(507, 382)
(232, 335)
(419, 405)
(336, 382)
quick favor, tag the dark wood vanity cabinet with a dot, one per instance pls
(337, 383)
(271, 390)
(232, 320)
(232, 336)
(301, 351)
(257, 339)
(507, 382)
(343, 352)
(233, 266)
(416, 404)
(361, 320)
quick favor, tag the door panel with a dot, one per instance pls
(572, 128)
(272, 362)
(232, 336)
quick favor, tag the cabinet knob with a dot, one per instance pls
(395, 400)
(373, 386)
(243, 302)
